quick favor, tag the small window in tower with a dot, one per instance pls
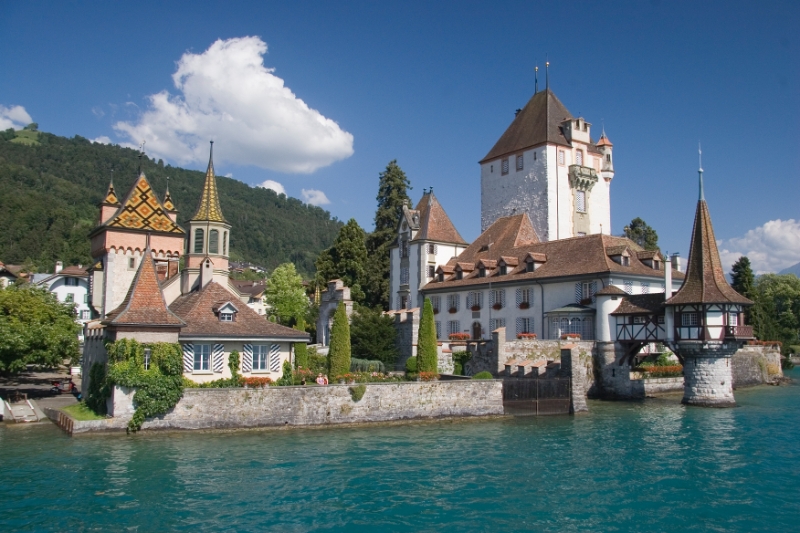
(504, 166)
(431, 248)
(561, 157)
(213, 242)
(579, 157)
(431, 271)
(580, 201)
(131, 263)
(225, 243)
(491, 168)
(519, 162)
(608, 157)
(198, 241)
(689, 319)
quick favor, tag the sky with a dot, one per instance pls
(314, 99)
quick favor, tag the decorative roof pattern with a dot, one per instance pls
(144, 304)
(111, 195)
(208, 209)
(434, 224)
(169, 205)
(142, 210)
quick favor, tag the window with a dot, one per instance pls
(524, 298)
(561, 157)
(147, 354)
(453, 326)
(474, 299)
(453, 301)
(529, 266)
(436, 303)
(225, 243)
(71, 282)
(689, 319)
(260, 357)
(534, 156)
(587, 290)
(626, 261)
(198, 241)
(431, 270)
(581, 234)
(404, 276)
(202, 357)
(608, 157)
(638, 320)
(580, 201)
(86, 298)
(504, 166)
(520, 162)
(628, 286)
(503, 269)
(86, 314)
(226, 317)
(70, 297)
(645, 287)
(660, 319)
(481, 272)
(656, 264)
(404, 302)
(438, 329)
(495, 323)
(403, 248)
(524, 325)
(431, 248)
(213, 242)
(459, 274)
(497, 298)
(579, 157)
(441, 277)
(733, 319)
(131, 263)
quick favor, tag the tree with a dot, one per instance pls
(776, 313)
(35, 328)
(392, 196)
(300, 348)
(339, 351)
(373, 336)
(345, 260)
(642, 234)
(427, 347)
(742, 277)
(285, 294)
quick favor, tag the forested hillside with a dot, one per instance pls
(49, 193)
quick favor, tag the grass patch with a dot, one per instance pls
(80, 411)
(27, 137)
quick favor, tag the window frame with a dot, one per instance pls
(504, 167)
(520, 163)
(260, 360)
(580, 201)
(203, 357)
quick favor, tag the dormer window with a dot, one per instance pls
(459, 274)
(226, 312)
(441, 277)
(656, 264)
(503, 270)
(529, 266)
(626, 261)
(481, 272)
(226, 317)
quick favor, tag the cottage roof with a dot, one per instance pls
(144, 305)
(208, 209)
(254, 289)
(197, 309)
(611, 290)
(637, 304)
(434, 224)
(73, 271)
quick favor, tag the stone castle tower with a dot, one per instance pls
(546, 165)
(706, 324)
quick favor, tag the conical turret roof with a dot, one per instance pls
(434, 224)
(209, 209)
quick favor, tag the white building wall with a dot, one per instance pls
(118, 276)
(79, 292)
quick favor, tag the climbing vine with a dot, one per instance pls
(154, 370)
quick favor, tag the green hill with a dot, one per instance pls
(50, 187)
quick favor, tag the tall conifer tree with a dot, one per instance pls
(345, 260)
(427, 353)
(339, 352)
(393, 190)
(742, 277)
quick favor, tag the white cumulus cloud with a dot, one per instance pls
(274, 185)
(102, 140)
(14, 117)
(770, 248)
(226, 94)
(314, 197)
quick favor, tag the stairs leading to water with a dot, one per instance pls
(22, 411)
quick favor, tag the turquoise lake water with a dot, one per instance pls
(646, 466)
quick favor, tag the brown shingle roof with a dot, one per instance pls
(539, 122)
(197, 310)
(434, 224)
(144, 304)
(254, 289)
(611, 290)
(641, 303)
(705, 278)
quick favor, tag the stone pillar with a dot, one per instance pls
(708, 381)
(571, 365)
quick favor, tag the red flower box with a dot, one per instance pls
(570, 336)
(497, 307)
(524, 305)
(452, 310)
(526, 336)
(476, 307)
(458, 336)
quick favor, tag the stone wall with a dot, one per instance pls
(754, 365)
(313, 405)
(406, 322)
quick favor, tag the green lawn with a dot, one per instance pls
(27, 137)
(79, 411)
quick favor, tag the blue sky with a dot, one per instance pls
(434, 85)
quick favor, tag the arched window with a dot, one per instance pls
(225, 243)
(198, 241)
(213, 242)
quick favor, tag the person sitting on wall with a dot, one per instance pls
(320, 379)
(325, 378)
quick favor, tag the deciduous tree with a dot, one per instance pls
(285, 294)
(776, 313)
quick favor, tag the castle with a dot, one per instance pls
(138, 290)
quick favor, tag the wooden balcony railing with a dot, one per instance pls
(739, 332)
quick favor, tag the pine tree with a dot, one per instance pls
(742, 277)
(427, 347)
(642, 234)
(373, 336)
(345, 260)
(339, 352)
(301, 348)
(392, 195)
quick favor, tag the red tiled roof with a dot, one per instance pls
(604, 141)
(637, 304)
(434, 224)
(144, 303)
(611, 290)
(254, 289)
(197, 310)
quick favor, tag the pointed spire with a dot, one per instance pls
(700, 172)
(169, 205)
(111, 194)
(209, 209)
(536, 79)
(547, 75)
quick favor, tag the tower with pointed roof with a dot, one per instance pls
(208, 243)
(547, 165)
(705, 319)
(119, 240)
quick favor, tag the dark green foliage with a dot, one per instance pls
(373, 336)
(483, 375)
(411, 364)
(459, 361)
(427, 351)
(318, 364)
(357, 392)
(339, 352)
(51, 190)
(300, 348)
(233, 364)
(35, 328)
(392, 195)
(642, 234)
(345, 260)
(776, 313)
(98, 391)
(286, 378)
(365, 365)
(158, 388)
(742, 277)
(285, 294)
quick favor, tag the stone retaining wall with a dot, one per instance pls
(312, 405)
(755, 365)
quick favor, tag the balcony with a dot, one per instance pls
(739, 332)
(582, 178)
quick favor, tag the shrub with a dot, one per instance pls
(427, 347)
(339, 352)
(98, 391)
(460, 359)
(366, 365)
(257, 382)
(286, 378)
(373, 335)
(483, 375)
(357, 392)
(411, 364)
(233, 365)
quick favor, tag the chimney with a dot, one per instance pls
(206, 272)
(59, 266)
(676, 261)
(667, 277)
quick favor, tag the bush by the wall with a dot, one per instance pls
(411, 364)
(98, 389)
(286, 378)
(483, 375)
(460, 359)
(366, 365)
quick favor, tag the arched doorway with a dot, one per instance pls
(476, 330)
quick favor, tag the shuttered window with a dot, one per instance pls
(580, 201)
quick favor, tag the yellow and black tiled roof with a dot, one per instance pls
(142, 210)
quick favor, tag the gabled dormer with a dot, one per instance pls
(485, 267)
(226, 311)
(463, 270)
(651, 258)
(443, 271)
(506, 264)
(534, 260)
(620, 255)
